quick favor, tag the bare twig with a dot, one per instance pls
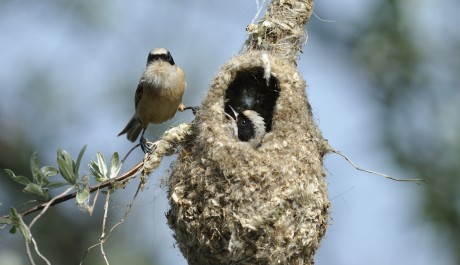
(418, 181)
(29, 227)
(104, 221)
(104, 236)
(29, 254)
(39, 253)
(48, 204)
(129, 152)
(88, 250)
(91, 208)
(128, 210)
(34, 243)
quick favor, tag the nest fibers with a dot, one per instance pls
(234, 204)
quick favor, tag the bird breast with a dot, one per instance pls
(163, 88)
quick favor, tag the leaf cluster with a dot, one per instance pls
(41, 182)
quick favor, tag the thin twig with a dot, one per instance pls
(129, 152)
(91, 208)
(104, 236)
(374, 172)
(87, 251)
(39, 253)
(48, 204)
(104, 220)
(29, 254)
(129, 174)
(128, 210)
(34, 243)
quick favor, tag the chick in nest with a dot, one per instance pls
(248, 126)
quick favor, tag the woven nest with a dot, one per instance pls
(235, 204)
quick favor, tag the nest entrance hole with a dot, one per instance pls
(253, 89)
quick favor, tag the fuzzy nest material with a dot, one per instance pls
(233, 204)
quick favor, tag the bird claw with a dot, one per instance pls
(146, 148)
(193, 109)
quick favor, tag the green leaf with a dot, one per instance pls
(34, 166)
(5, 221)
(48, 171)
(18, 224)
(84, 180)
(33, 188)
(96, 172)
(55, 184)
(66, 170)
(44, 173)
(19, 179)
(101, 163)
(15, 219)
(83, 196)
(99, 168)
(66, 166)
(25, 232)
(77, 164)
(115, 165)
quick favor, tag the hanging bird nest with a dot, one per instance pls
(235, 204)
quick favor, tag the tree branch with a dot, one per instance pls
(131, 173)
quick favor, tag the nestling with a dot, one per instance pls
(248, 126)
(158, 94)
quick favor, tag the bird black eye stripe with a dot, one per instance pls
(160, 57)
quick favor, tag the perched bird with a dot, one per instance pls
(248, 126)
(158, 94)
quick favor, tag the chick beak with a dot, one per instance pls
(235, 114)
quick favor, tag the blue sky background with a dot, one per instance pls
(93, 55)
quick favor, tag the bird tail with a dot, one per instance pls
(133, 129)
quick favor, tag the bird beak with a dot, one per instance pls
(234, 113)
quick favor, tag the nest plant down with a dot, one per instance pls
(234, 204)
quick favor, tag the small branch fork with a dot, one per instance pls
(104, 235)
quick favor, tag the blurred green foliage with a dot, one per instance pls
(417, 92)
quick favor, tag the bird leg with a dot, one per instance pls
(144, 144)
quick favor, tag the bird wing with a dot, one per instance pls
(137, 98)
